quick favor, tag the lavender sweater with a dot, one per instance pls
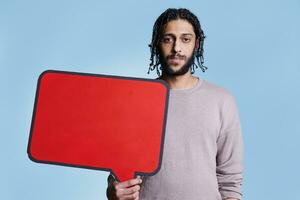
(203, 150)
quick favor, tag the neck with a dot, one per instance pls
(184, 81)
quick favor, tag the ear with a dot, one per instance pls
(197, 44)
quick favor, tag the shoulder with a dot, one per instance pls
(226, 103)
(217, 92)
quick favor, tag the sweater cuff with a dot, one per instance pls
(231, 194)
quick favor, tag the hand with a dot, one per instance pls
(126, 190)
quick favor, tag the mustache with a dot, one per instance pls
(177, 56)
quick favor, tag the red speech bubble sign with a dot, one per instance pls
(109, 123)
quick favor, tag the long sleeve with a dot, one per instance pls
(110, 180)
(230, 151)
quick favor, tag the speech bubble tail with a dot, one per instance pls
(123, 174)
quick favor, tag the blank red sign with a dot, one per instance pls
(100, 122)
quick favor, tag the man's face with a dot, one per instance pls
(177, 46)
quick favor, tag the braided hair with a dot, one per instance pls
(158, 28)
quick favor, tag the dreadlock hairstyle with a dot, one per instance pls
(158, 28)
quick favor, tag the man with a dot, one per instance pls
(203, 150)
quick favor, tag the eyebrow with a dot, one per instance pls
(184, 34)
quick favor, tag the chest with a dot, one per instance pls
(192, 123)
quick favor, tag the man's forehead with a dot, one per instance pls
(178, 27)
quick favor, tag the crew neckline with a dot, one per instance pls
(187, 90)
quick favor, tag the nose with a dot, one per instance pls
(177, 47)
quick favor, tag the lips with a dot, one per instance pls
(175, 60)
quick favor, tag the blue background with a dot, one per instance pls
(252, 49)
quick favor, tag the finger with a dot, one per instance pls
(140, 178)
(130, 196)
(129, 183)
(127, 191)
(115, 183)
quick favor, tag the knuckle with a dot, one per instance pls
(116, 184)
(131, 182)
(138, 187)
(133, 195)
(115, 187)
(118, 194)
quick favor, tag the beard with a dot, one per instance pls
(167, 69)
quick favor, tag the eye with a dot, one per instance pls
(186, 40)
(167, 40)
